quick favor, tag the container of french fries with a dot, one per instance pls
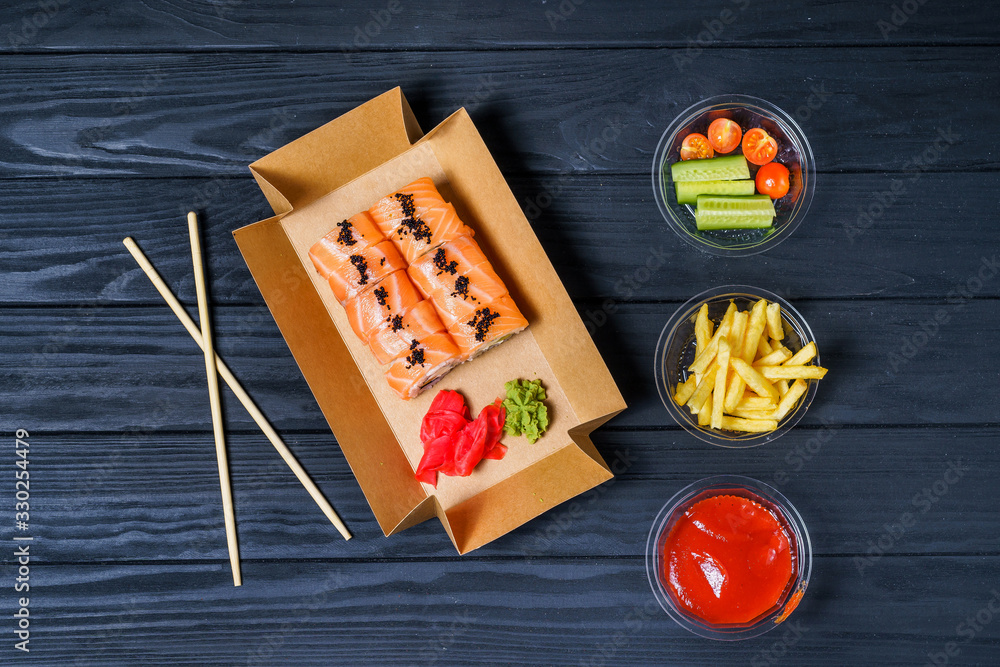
(737, 366)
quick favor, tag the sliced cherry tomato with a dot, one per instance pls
(724, 135)
(758, 146)
(772, 180)
(696, 147)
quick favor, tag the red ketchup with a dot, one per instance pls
(727, 560)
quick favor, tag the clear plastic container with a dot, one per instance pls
(794, 152)
(787, 516)
(675, 352)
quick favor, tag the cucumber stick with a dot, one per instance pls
(718, 212)
(688, 191)
(728, 168)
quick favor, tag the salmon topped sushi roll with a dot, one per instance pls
(394, 338)
(417, 235)
(416, 198)
(489, 325)
(332, 251)
(416, 219)
(455, 257)
(373, 307)
(363, 268)
(426, 362)
(461, 296)
(458, 279)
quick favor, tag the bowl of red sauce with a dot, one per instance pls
(728, 558)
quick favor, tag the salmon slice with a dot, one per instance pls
(426, 362)
(421, 233)
(414, 199)
(461, 296)
(348, 237)
(488, 326)
(363, 268)
(438, 269)
(372, 307)
(458, 279)
(393, 339)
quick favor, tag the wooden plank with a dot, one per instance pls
(390, 26)
(133, 497)
(66, 247)
(558, 612)
(118, 368)
(150, 115)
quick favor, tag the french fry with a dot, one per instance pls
(789, 400)
(775, 358)
(706, 357)
(719, 393)
(749, 425)
(749, 402)
(751, 414)
(728, 316)
(792, 372)
(736, 331)
(782, 386)
(763, 347)
(702, 329)
(734, 391)
(684, 390)
(703, 391)
(775, 329)
(705, 414)
(755, 330)
(775, 344)
(754, 379)
(803, 356)
(702, 361)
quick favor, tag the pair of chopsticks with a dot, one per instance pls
(214, 364)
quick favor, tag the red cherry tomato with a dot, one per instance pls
(758, 146)
(772, 180)
(724, 135)
(696, 147)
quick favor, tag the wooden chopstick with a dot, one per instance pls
(237, 388)
(213, 398)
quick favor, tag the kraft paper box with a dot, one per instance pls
(346, 166)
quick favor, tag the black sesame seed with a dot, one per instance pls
(482, 321)
(411, 224)
(415, 227)
(405, 203)
(345, 237)
(462, 288)
(361, 264)
(416, 356)
(441, 262)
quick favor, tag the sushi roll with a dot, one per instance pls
(394, 338)
(417, 220)
(372, 308)
(349, 236)
(458, 279)
(426, 362)
(364, 268)
(415, 199)
(488, 326)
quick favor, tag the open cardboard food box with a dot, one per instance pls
(344, 167)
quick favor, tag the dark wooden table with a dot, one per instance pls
(119, 117)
